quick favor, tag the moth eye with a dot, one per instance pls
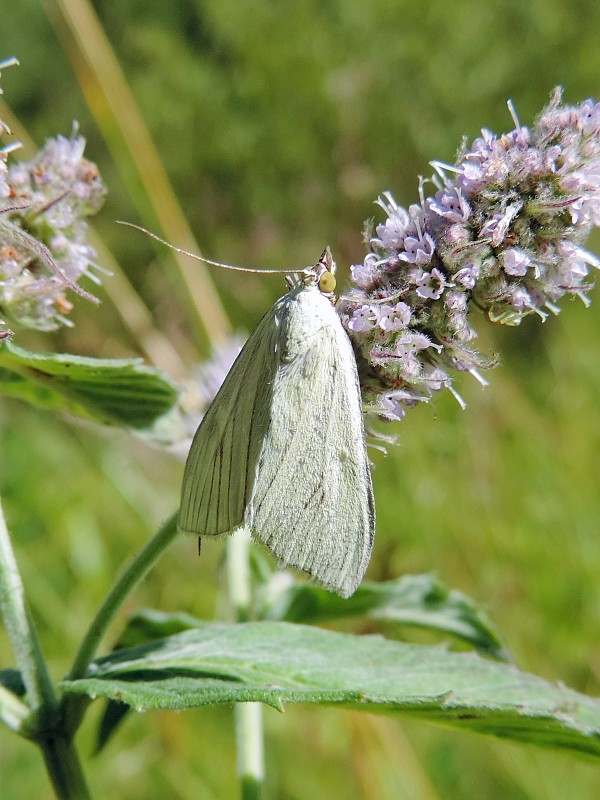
(327, 282)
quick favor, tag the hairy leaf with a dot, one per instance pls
(122, 392)
(277, 663)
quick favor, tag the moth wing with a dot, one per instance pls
(312, 503)
(221, 464)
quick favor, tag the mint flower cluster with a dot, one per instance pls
(7, 62)
(504, 231)
(4, 151)
(44, 204)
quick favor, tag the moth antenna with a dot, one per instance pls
(210, 261)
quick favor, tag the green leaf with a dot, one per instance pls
(144, 626)
(114, 714)
(277, 663)
(12, 680)
(419, 600)
(13, 711)
(148, 624)
(122, 392)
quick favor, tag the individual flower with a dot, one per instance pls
(363, 319)
(515, 261)
(392, 317)
(432, 284)
(504, 231)
(365, 274)
(450, 203)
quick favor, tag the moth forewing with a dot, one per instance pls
(312, 503)
(224, 454)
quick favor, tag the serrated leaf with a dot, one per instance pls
(277, 663)
(123, 392)
(420, 600)
(145, 626)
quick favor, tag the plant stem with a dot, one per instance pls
(250, 749)
(73, 706)
(238, 574)
(125, 584)
(20, 629)
(42, 725)
(248, 716)
(63, 767)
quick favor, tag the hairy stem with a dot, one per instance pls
(20, 629)
(125, 584)
(43, 724)
(248, 716)
(74, 706)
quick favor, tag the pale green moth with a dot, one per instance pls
(282, 449)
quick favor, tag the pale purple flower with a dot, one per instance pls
(364, 274)
(434, 378)
(392, 318)
(497, 227)
(396, 227)
(589, 118)
(515, 261)
(413, 342)
(418, 249)
(431, 284)
(391, 408)
(467, 276)
(456, 300)
(363, 319)
(520, 298)
(450, 204)
(471, 177)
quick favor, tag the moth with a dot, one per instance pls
(281, 450)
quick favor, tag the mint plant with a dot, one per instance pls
(503, 231)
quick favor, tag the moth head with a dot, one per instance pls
(322, 274)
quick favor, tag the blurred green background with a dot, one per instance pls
(277, 124)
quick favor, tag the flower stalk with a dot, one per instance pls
(248, 716)
(43, 722)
